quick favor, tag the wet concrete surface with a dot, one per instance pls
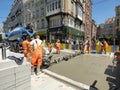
(85, 69)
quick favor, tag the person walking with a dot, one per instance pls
(37, 53)
(25, 46)
(81, 44)
(86, 46)
(58, 46)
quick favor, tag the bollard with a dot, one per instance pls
(3, 52)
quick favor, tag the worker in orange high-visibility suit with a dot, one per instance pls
(105, 45)
(58, 47)
(25, 46)
(50, 46)
(88, 47)
(37, 53)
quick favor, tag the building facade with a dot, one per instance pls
(100, 30)
(65, 19)
(15, 17)
(93, 30)
(117, 23)
(53, 19)
(35, 14)
(88, 18)
(106, 30)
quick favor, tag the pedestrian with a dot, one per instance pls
(58, 44)
(85, 45)
(81, 46)
(25, 47)
(44, 43)
(93, 44)
(88, 47)
(105, 45)
(37, 53)
(50, 46)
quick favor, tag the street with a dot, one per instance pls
(84, 69)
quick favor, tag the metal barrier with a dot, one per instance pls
(3, 52)
(96, 48)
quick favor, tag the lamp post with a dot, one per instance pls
(32, 17)
(30, 12)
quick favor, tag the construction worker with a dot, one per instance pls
(50, 46)
(58, 47)
(37, 53)
(25, 46)
(88, 46)
(105, 45)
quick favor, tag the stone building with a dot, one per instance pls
(15, 17)
(93, 29)
(35, 14)
(106, 29)
(53, 19)
(88, 18)
(65, 19)
(117, 22)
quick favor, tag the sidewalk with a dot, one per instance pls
(45, 82)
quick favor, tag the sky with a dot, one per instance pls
(101, 10)
(5, 6)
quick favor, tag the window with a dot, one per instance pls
(50, 23)
(56, 5)
(72, 6)
(37, 13)
(59, 4)
(38, 26)
(53, 6)
(42, 23)
(117, 22)
(42, 11)
(50, 7)
(32, 3)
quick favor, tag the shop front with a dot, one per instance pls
(42, 34)
(63, 33)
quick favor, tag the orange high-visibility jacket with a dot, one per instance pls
(37, 55)
(105, 44)
(25, 46)
(58, 45)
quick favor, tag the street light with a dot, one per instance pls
(30, 12)
(32, 17)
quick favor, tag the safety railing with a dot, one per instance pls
(97, 48)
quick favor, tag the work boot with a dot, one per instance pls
(32, 70)
(38, 70)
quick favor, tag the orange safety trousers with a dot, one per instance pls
(57, 47)
(88, 48)
(37, 56)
